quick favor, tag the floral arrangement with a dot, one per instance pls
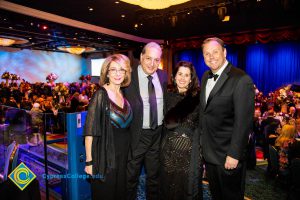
(51, 77)
(88, 77)
(6, 75)
(284, 95)
(15, 77)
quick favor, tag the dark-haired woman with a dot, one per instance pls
(181, 160)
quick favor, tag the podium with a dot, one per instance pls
(77, 188)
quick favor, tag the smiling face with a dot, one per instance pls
(214, 55)
(116, 73)
(150, 60)
(183, 78)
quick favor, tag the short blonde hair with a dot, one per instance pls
(120, 59)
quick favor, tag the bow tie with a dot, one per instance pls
(211, 75)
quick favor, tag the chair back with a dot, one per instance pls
(295, 172)
(294, 187)
(274, 160)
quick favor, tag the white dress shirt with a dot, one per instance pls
(211, 82)
(143, 83)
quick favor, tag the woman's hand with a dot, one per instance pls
(89, 170)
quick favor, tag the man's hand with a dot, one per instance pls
(231, 163)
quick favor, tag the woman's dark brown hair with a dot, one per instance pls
(193, 86)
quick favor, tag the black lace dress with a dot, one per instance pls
(181, 159)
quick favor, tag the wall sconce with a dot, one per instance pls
(222, 12)
(173, 20)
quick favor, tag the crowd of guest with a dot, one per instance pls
(73, 97)
(42, 105)
(277, 128)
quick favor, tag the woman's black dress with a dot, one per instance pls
(181, 159)
(113, 132)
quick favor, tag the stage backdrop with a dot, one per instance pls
(34, 66)
(270, 65)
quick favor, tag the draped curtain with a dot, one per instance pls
(270, 65)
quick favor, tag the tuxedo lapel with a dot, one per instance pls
(220, 82)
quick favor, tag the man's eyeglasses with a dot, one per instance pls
(115, 71)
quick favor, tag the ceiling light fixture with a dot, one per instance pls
(8, 40)
(155, 4)
(76, 49)
(226, 18)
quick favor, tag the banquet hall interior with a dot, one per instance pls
(51, 53)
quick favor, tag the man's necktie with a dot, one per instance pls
(211, 75)
(153, 104)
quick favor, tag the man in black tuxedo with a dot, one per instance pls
(226, 119)
(146, 97)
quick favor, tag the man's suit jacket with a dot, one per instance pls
(132, 94)
(227, 118)
(270, 124)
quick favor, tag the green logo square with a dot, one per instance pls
(22, 176)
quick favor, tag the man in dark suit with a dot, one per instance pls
(146, 97)
(269, 127)
(226, 119)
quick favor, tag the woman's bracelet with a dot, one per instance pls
(89, 163)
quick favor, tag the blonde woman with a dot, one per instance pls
(106, 131)
(283, 142)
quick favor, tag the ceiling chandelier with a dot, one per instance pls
(8, 40)
(155, 4)
(76, 49)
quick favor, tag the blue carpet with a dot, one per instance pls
(258, 186)
(141, 195)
